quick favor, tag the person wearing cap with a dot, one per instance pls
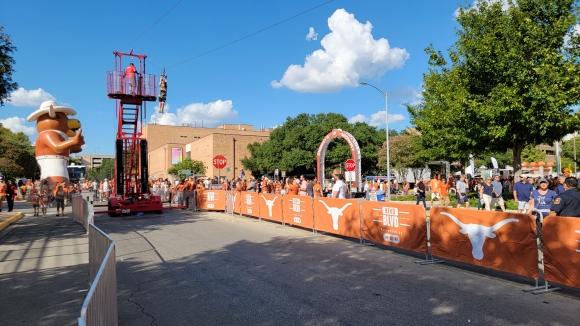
(523, 193)
(339, 188)
(543, 197)
(568, 202)
(129, 75)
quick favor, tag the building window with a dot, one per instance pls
(183, 136)
(187, 154)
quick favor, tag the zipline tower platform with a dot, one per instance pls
(131, 92)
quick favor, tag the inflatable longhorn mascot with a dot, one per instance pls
(57, 139)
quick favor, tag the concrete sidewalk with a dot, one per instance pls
(43, 269)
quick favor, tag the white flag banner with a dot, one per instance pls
(494, 162)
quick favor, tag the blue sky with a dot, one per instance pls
(65, 49)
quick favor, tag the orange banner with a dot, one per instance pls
(250, 205)
(212, 200)
(496, 240)
(338, 216)
(298, 210)
(561, 242)
(398, 225)
(270, 206)
(237, 202)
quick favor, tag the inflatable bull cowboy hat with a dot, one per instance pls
(51, 108)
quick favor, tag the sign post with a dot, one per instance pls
(219, 162)
(350, 167)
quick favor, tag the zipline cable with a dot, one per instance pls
(158, 20)
(249, 35)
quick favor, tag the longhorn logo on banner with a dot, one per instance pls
(339, 216)
(271, 207)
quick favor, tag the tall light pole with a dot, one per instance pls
(386, 96)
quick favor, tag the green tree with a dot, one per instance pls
(6, 67)
(104, 171)
(405, 151)
(511, 82)
(196, 167)
(532, 154)
(293, 146)
(17, 157)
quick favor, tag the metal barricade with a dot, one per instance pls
(82, 211)
(190, 199)
(229, 202)
(100, 305)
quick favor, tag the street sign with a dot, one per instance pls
(350, 165)
(350, 176)
(283, 174)
(276, 172)
(186, 172)
(219, 162)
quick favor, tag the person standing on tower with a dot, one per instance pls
(129, 75)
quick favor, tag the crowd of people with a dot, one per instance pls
(548, 196)
(173, 191)
(39, 194)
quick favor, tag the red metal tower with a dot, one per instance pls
(131, 166)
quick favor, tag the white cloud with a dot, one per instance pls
(358, 118)
(504, 6)
(312, 35)
(377, 119)
(196, 114)
(17, 124)
(350, 53)
(34, 97)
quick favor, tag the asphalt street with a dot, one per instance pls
(183, 268)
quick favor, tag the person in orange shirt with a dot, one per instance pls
(434, 185)
(264, 185)
(443, 193)
(293, 188)
(317, 189)
(278, 187)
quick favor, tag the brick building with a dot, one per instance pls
(166, 144)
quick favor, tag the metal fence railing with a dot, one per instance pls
(83, 211)
(100, 305)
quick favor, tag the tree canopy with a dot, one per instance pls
(17, 157)
(292, 147)
(6, 66)
(102, 172)
(195, 166)
(512, 80)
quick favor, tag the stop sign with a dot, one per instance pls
(350, 165)
(219, 162)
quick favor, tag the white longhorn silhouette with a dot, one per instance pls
(270, 204)
(477, 233)
(335, 212)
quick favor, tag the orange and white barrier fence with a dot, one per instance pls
(397, 225)
(502, 241)
(496, 240)
(561, 242)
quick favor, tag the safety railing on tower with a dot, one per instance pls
(118, 85)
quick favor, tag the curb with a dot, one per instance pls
(11, 220)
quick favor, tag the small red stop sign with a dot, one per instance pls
(350, 165)
(219, 162)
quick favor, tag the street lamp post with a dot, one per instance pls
(386, 96)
